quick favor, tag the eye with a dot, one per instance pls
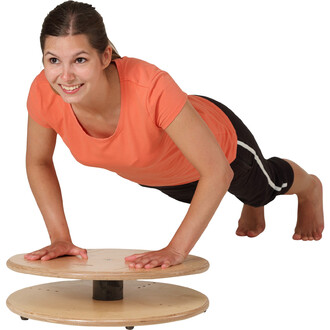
(81, 60)
(53, 60)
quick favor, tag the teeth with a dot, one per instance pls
(70, 88)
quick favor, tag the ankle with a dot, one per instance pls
(312, 187)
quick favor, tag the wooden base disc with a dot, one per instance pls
(71, 302)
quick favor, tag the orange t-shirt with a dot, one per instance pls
(139, 150)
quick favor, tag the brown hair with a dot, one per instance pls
(72, 18)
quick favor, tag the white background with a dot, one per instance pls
(266, 60)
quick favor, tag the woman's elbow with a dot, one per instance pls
(222, 176)
(228, 175)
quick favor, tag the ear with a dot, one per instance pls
(106, 57)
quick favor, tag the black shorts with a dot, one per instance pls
(257, 181)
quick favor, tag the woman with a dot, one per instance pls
(130, 117)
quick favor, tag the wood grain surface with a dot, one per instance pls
(103, 264)
(144, 303)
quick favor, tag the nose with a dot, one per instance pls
(67, 74)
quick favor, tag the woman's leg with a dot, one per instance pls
(257, 181)
(308, 188)
(310, 222)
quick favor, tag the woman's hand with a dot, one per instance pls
(163, 258)
(57, 249)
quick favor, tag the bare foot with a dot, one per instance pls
(310, 222)
(252, 221)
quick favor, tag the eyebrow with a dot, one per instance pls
(75, 55)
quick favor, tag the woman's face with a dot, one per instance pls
(73, 67)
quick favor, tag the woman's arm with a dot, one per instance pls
(198, 144)
(46, 190)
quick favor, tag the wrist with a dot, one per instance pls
(60, 238)
(58, 230)
(178, 249)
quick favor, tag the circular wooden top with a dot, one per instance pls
(103, 264)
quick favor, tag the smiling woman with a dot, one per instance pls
(130, 117)
(90, 45)
(72, 65)
(85, 79)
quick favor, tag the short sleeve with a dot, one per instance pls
(34, 104)
(165, 99)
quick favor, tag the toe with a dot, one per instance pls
(297, 236)
(240, 232)
(252, 233)
(256, 231)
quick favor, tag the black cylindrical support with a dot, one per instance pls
(108, 290)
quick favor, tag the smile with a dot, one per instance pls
(71, 89)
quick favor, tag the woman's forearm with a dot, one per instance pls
(209, 192)
(46, 190)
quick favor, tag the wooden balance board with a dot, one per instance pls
(106, 291)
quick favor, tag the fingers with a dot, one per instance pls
(152, 264)
(44, 254)
(83, 253)
(163, 258)
(149, 263)
(156, 263)
(36, 255)
(50, 255)
(145, 262)
(134, 257)
(166, 264)
(138, 260)
(78, 252)
(56, 250)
